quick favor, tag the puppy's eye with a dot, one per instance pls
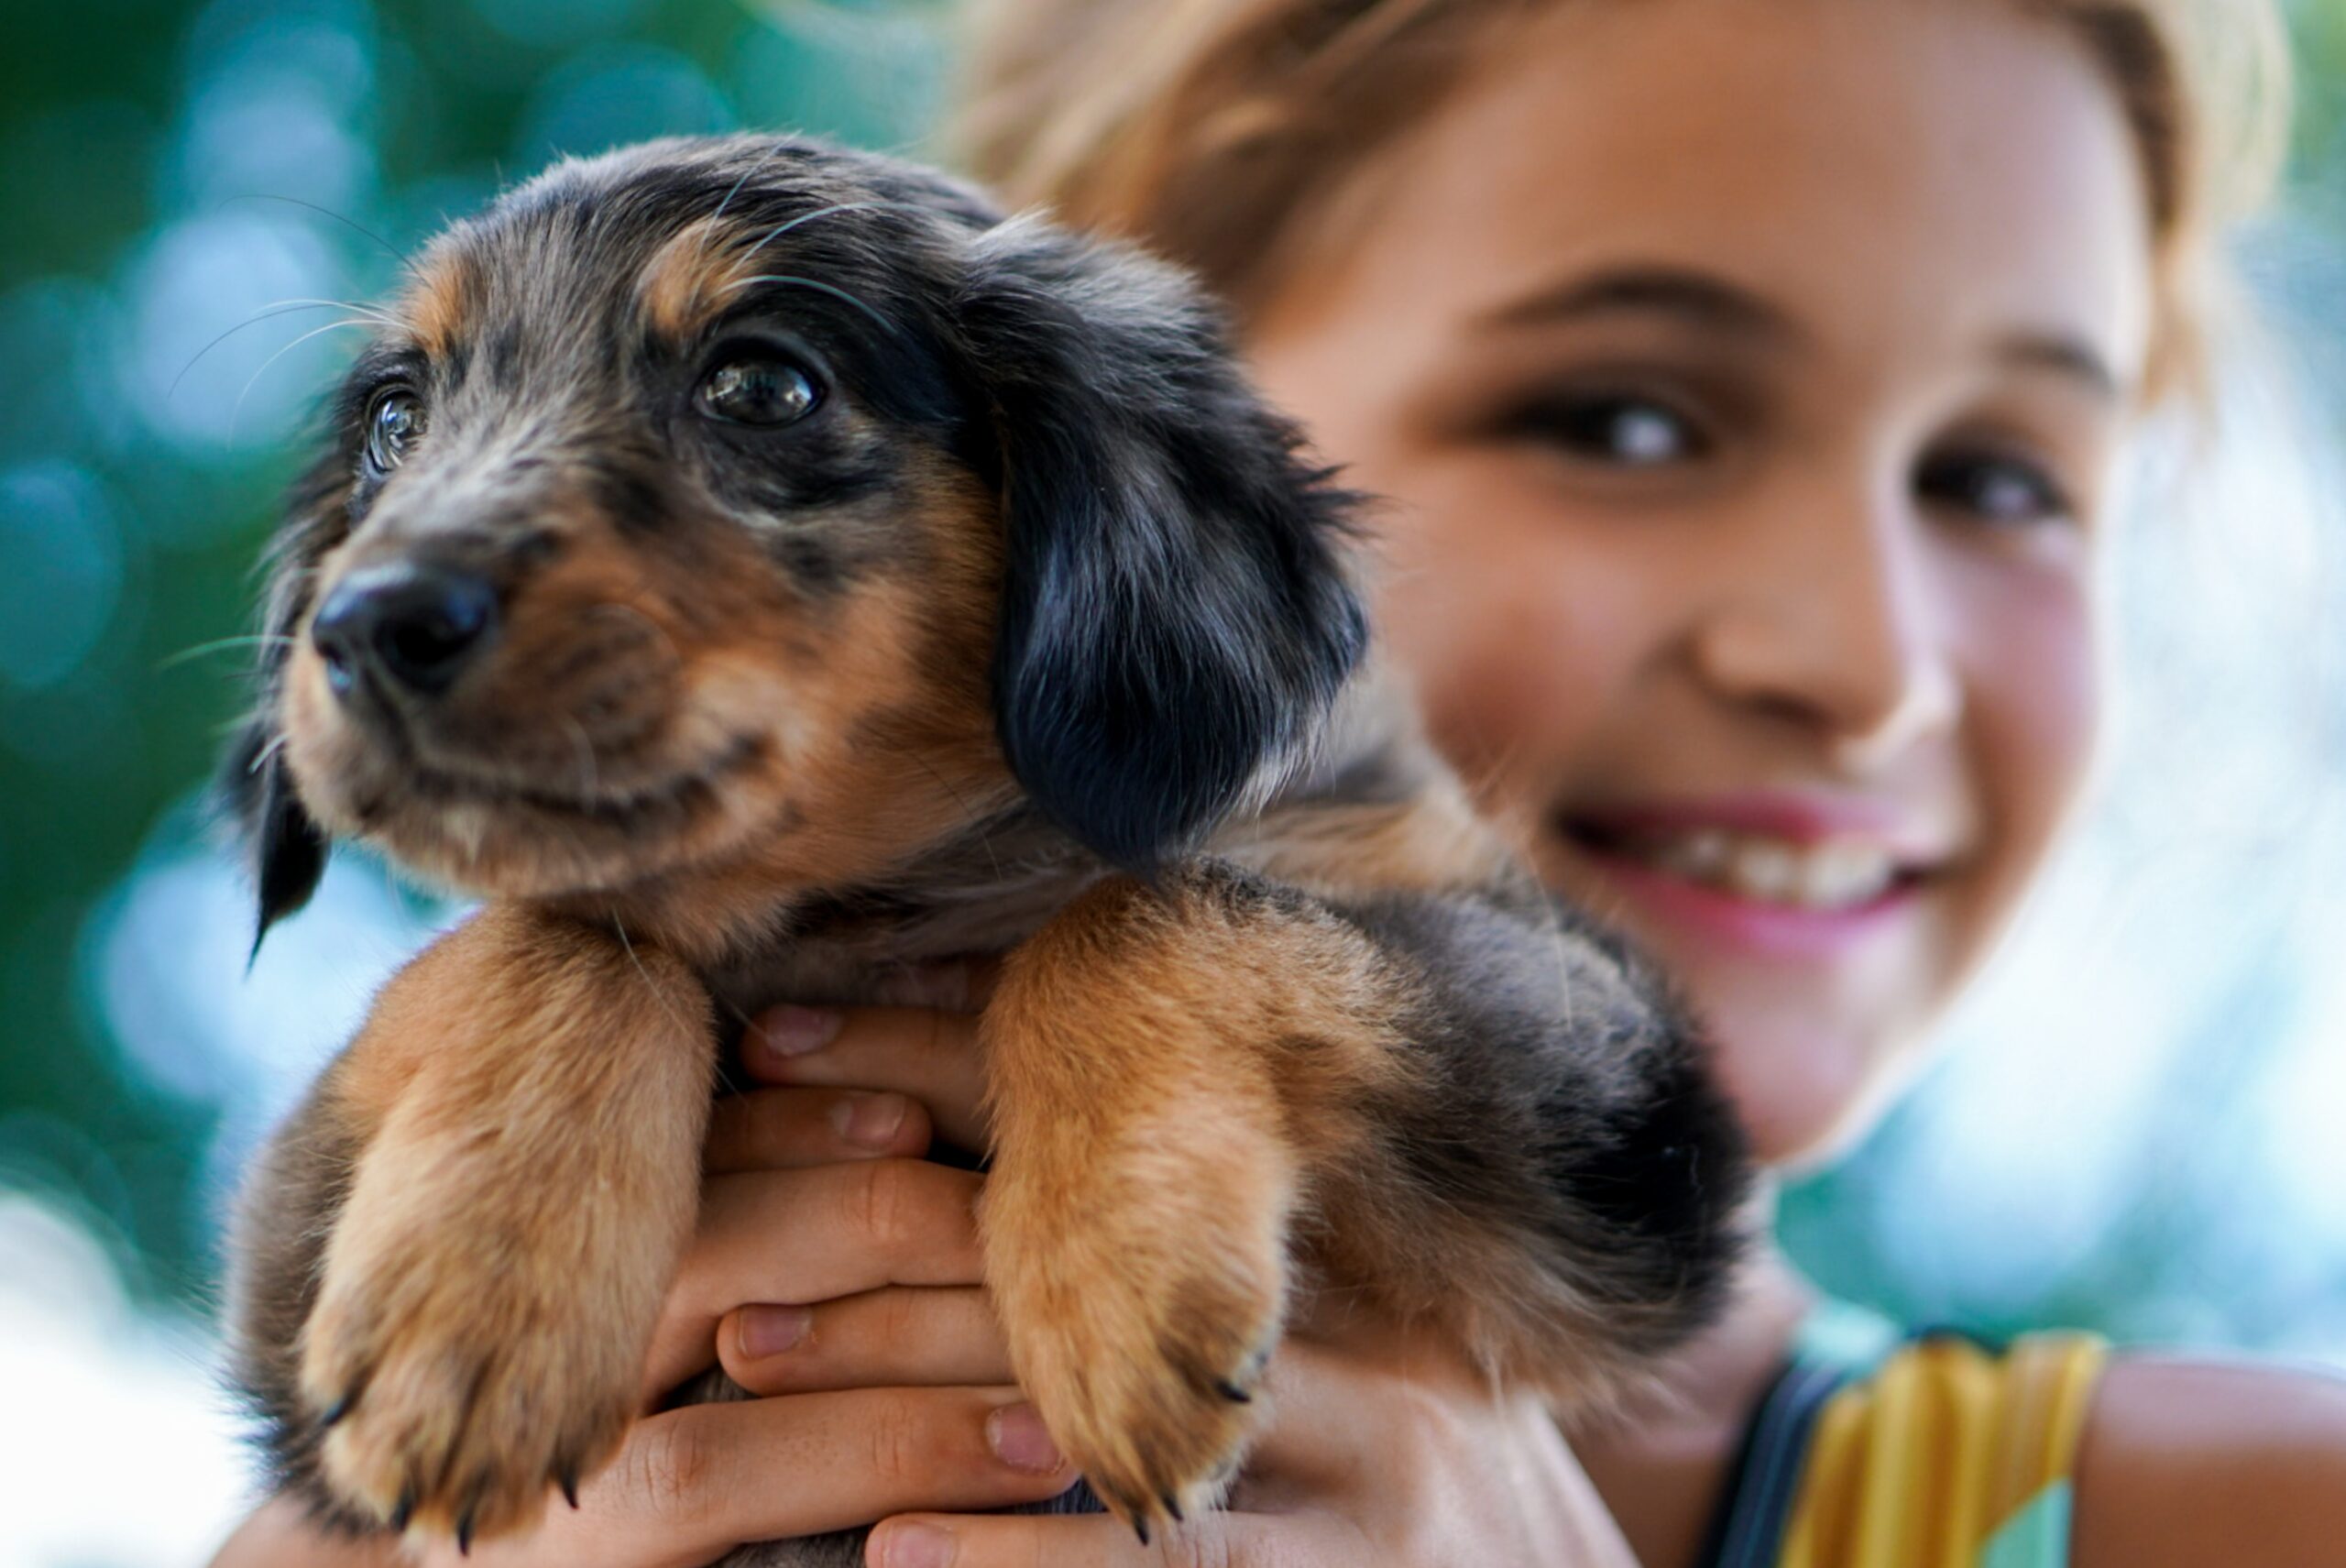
(759, 389)
(394, 424)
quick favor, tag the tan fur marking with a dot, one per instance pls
(437, 303)
(538, 1096)
(691, 276)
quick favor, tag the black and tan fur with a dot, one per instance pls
(1035, 637)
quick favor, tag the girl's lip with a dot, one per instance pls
(1798, 816)
(1603, 836)
(1718, 918)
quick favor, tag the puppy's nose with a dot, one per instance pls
(416, 626)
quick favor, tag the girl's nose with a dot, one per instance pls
(1828, 616)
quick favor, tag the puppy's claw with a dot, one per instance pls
(1140, 1527)
(464, 1533)
(405, 1511)
(568, 1481)
(1232, 1392)
(339, 1409)
(1173, 1508)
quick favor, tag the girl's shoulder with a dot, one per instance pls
(2199, 1461)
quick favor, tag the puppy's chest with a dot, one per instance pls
(902, 944)
(987, 890)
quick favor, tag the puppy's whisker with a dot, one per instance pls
(220, 644)
(358, 309)
(236, 409)
(589, 780)
(268, 312)
(351, 224)
(977, 819)
(785, 280)
(619, 929)
(700, 251)
(836, 207)
(632, 612)
(732, 191)
(260, 758)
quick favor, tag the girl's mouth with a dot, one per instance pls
(1829, 876)
(1803, 890)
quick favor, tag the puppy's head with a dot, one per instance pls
(712, 493)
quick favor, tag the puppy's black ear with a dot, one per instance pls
(285, 846)
(1175, 616)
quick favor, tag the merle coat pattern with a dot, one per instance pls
(757, 569)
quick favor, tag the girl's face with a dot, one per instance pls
(1746, 377)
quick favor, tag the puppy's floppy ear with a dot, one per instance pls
(1175, 617)
(286, 846)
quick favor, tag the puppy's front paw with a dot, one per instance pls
(463, 1368)
(1140, 1325)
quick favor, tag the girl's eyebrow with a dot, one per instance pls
(2058, 352)
(1697, 299)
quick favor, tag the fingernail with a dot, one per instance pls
(794, 1031)
(1019, 1440)
(912, 1544)
(871, 1119)
(770, 1331)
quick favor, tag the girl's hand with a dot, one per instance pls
(834, 1272)
(1380, 1451)
(894, 1393)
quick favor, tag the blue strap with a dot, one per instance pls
(1755, 1507)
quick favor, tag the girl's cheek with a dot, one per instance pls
(1511, 645)
(2037, 698)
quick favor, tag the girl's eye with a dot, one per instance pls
(1621, 430)
(2006, 491)
(394, 424)
(759, 389)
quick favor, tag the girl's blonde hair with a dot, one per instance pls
(1207, 129)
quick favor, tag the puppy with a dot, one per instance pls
(758, 569)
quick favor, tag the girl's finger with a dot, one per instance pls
(929, 1338)
(788, 1129)
(801, 1236)
(1307, 1539)
(691, 1484)
(917, 1051)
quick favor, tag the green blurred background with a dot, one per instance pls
(2134, 1128)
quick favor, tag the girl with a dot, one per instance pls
(1746, 379)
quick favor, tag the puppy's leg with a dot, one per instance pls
(1149, 1053)
(1473, 1116)
(530, 1095)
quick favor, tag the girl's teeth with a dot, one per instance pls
(1769, 871)
(1697, 856)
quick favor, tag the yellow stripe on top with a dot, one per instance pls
(1920, 1465)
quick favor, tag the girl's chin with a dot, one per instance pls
(1804, 1094)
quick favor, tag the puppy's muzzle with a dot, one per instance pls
(410, 628)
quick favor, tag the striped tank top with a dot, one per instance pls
(1931, 1452)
